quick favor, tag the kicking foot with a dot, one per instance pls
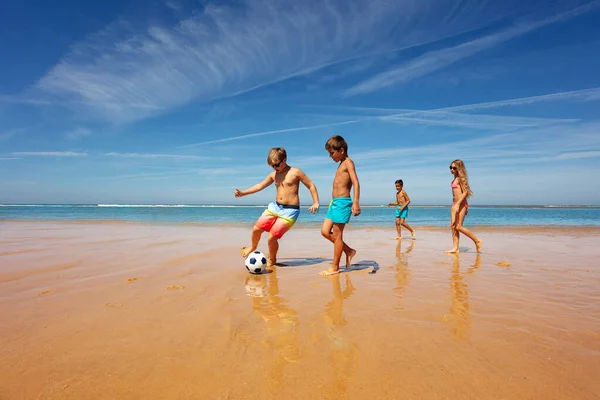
(478, 245)
(329, 272)
(452, 251)
(244, 251)
(349, 256)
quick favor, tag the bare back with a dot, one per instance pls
(342, 183)
(288, 184)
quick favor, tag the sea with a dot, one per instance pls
(375, 216)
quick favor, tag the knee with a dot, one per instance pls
(272, 239)
(325, 233)
(398, 223)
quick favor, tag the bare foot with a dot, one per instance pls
(330, 271)
(451, 251)
(478, 245)
(271, 262)
(414, 236)
(398, 238)
(349, 256)
(244, 251)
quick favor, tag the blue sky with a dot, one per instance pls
(178, 102)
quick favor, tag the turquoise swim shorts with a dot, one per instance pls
(402, 214)
(340, 210)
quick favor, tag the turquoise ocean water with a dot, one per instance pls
(243, 215)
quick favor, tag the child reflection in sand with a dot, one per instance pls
(402, 272)
(282, 325)
(461, 306)
(344, 352)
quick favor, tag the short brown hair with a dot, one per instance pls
(336, 142)
(276, 155)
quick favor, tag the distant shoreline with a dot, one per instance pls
(303, 205)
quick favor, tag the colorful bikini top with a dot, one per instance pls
(454, 185)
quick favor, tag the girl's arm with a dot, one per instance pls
(463, 192)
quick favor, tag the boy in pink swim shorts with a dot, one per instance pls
(281, 214)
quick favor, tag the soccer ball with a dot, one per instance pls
(256, 262)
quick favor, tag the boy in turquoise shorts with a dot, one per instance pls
(342, 206)
(402, 202)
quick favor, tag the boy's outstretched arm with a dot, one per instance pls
(256, 188)
(356, 184)
(313, 191)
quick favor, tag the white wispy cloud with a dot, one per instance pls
(9, 134)
(439, 59)
(473, 121)
(173, 156)
(224, 51)
(78, 133)
(251, 135)
(50, 153)
(579, 154)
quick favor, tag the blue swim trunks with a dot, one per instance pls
(340, 210)
(402, 214)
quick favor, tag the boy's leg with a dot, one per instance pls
(256, 233)
(273, 248)
(404, 224)
(327, 232)
(398, 229)
(338, 249)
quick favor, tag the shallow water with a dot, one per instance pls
(370, 216)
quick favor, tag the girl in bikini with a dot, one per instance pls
(460, 206)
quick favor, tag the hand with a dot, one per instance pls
(314, 208)
(355, 209)
(239, 193)
(391, 204)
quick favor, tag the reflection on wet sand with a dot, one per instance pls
(282, 326)
(461, 306)
(402, 272)
(344, 352)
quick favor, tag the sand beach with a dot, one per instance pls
(116, 310)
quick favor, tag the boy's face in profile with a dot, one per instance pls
(398, 187)
(336, 155)
(278, 166)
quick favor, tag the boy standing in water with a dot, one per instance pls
(342, 205)
(402, 202)
(280, 215)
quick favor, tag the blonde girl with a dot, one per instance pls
(461, 191)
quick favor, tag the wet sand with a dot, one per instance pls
(134, 311)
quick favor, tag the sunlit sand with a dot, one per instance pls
(141, 311)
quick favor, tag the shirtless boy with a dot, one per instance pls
(402, 202)
(342, 205)
(280, 215)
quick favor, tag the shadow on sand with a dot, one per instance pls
(302, 262)
(363, 264)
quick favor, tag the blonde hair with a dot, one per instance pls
(276, 155)
(462, 175)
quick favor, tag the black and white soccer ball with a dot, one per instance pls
(256, 262)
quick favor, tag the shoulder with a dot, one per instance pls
(296, 171)
(348, 162)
